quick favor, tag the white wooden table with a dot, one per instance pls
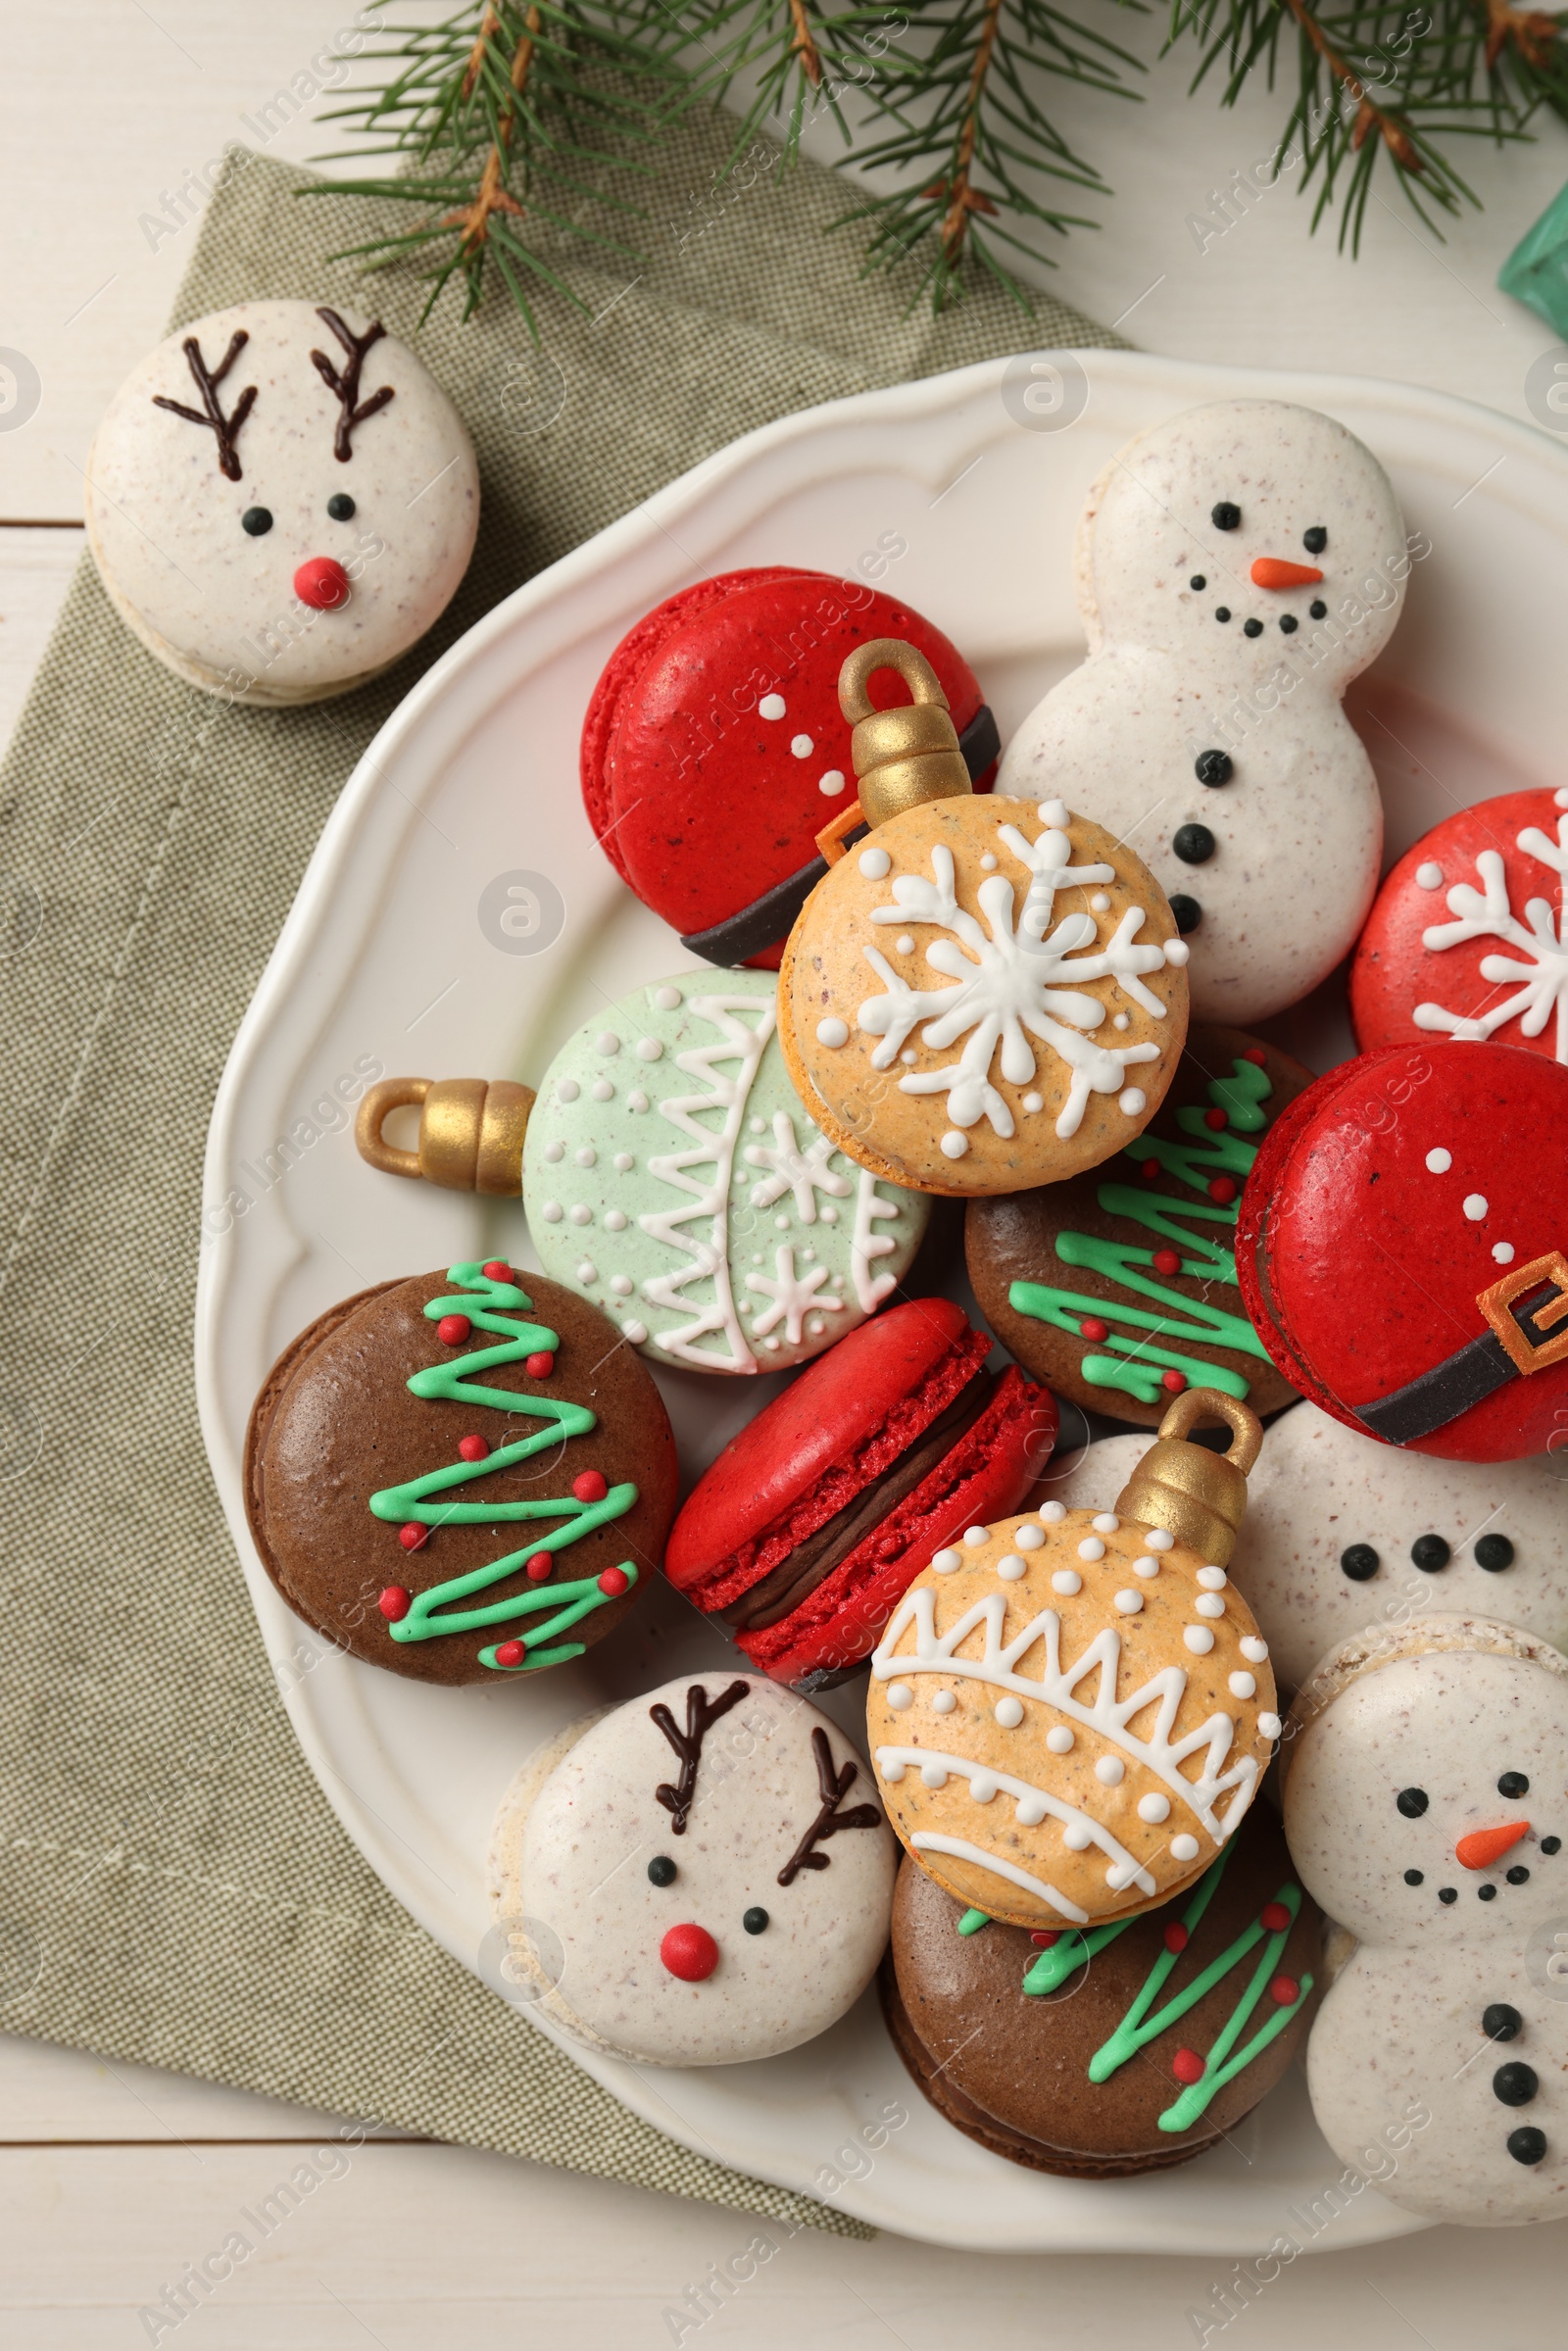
(113, 2180)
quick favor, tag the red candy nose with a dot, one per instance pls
(689, 1952)
(1269, 573)
(321, 583)
(1483, 1846)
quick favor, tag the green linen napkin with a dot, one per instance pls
(173, 1887)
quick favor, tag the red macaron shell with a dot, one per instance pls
(1361, 1261)
(1519, 894)
(985, 1477)
(701, 802)
(809, 1453)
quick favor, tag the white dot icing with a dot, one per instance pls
(802, 746)
(975, 1537)
(944, 1702)
(1011, 1568)
(1091, 1548)
(1078, 1836)
(615, 1222)
(873, 862)
(1253, 1649)
(1199, 1639)
(771, 706)
(988, 864)
(904, 942)
(667, 998)
(606, 1042)
(1009, 1713)
(953, 1145)
(1212, 1579)
(648, 1048)
(551, 1212)
(1210, 1604)
(587, 1270)
(554, 1152)
(587, 1156)
(602, 1089)
(1475, 1206)
(624, 1162)
(1243, 1685)
(1129, 1602)
(1153, 1808)
(1110, 1771)
(1177, 952)
(832, 783)
(1053, 1513)
(899, 1695)
(1429, 876)
(1146, 1566)
(983, 1788)
(1034, 1101)
(1107, 1523)
(1054, 812)
(1060, 1741)
(1158, 1539)
(637, 1100)
(1028, 1539)
(832, 1033)
(1503, 1251)
(935, 1775)
(1183, 1848)
(1120, 1020)
(1066, 1581)
(636, 1332)
(1269, 1726)
(946, 1562)
(1132, 1100)
(1440, 1162)
(580, 1213)
(621, 1285)
(568, 1090)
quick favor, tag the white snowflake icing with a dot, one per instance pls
(1005, 985)
(805, 1173)
(1488, 913)
(792, 1295)
(871, 1209)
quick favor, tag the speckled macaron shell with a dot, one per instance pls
(215, 602)
(1450, 2017)
(672, 1176)
(952, 1036)
(570, 1869)
(1068, 1716)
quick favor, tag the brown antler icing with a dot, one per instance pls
(347, 385)
(225, 429)
(701, 1717)
(834, 1786)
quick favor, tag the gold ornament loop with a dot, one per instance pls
(907, 754)
(472, 1132)
(1196, 1496)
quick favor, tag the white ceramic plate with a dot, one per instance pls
(384, 956)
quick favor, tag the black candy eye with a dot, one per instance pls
(661, 1870)
(1415, 1877)
(256, 521)
(1197, 581)
(1514, 1784)
(1551, 1844)
(755, 1920)
(1226, 516)
(1493, 1552)
(1318, 608)
(340, 505)
(1429, 1552)
(1447, 1893)
(1213, 767)
(1412, 1802)
(1359, 1562)
(1315, 539)
(1499, 2022)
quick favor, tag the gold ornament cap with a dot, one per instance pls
(471, 1132)
(1198, 1497)
(907, 754)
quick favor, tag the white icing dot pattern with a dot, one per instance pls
(1440, 1162)
(1009, 1713)
(1066, 1581)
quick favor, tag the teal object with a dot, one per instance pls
(1535, 273)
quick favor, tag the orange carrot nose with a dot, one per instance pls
(1269, 573)
(1483, 1846)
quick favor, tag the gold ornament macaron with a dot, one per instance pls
(980, 995)
(1070, 1712)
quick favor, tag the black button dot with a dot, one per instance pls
(1515, 2083)
(755, 1920)
(1359, 1562)
(1226, 516)
(1251, 628)
(1518, 1875)
(1429, 1553)
(1318, 608)
(1486, 1894)
(1447, 1893)
(1513, 1785)
(1412, 1802)
(1198, 580)
(1194, 844)
(1289, 624)
(340, 505)
(1222, 611)
(661, 1870)
(1493, 1552)
(1551, 1844)
(1414, 1876)
(1315, 539)
(256, 521)
(1499, 2022)
(1528, 2145)
(1188, 912)
(1213, 767)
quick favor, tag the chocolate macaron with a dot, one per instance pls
(807, 1531)
(464, 1474)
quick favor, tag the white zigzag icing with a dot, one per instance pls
(1109, 1715)
(1034, 1803)
(739, 1041)
(926, 1840)
(870, 1289)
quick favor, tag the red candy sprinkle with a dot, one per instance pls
(321, 583)
(394, 1603)
(1149, 1170)
(1275, 1917)
(509, 1652)
(413, 1538)
(1092, 1327)
(590, 1487)
(1222, 1189)
(689, 1952)
(496, 1271)
(1043, 1937)
(1166, 1261)
(1176, 1938)
(1173, 1381)
(1216, 1118)
(1187, 2066)
(472, 1449)
(453, 1328)
(1286, 1991)
(540, 1367)
(1256, 1054)
(613, 1581)
(538, 1567)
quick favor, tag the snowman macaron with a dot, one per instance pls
(699, 1876)
(280, 501)
(1237, 567)
(1426, 1811)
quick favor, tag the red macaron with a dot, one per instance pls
(1400, 1248)
(715, 751)
(814, 1521)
